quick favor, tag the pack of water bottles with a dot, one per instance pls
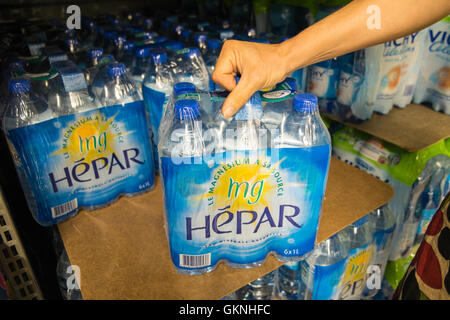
(74, 149)
(238, 189)
(338, 268)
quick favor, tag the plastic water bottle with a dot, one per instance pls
(24, 107)
(321, 272)
(99, 74)
(275, 113)
(119, 89)
(187, 90)
(157, 88)
(323, 80)
(246, 130)
(72, 50)
(193, 69)
(288, 280)
(119, 41)
(108, 41)
(429, 203)
(303, 127)
(358, 238)
(141, 65)
(259, 289)
(200, 40)
(185, 135)
(90, 71)
(210, 57)
(69, 93)
(127, 57)
(383, 225)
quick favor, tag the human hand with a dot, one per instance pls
(259, 66)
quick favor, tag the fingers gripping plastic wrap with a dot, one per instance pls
(236, 190)
(75, 152)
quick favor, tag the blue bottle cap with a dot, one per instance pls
(109, 34)
(178, 29)
(116, 70)
(192, 53)
(305, 102)
(142, 52)
(187, 109)
(184, 87)
(95, 53)
(129, 45)
(71, 41)
(200, 38)
(159, 39)
(149, 35)
(159, 57)
(185, 33)
(148, 22)
(292, 83)
(17, 86)
(120, 39)
(213, 44)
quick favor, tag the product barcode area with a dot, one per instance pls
(195, 261)
(64, 208)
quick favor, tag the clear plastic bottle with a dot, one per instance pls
(108, 41)
(358, 239)
(90, 71)
(304, 126)
(193, 69)
(429, 203)
(260, 289)
(157, 88)
(128, 54)
(69, 93)
(185, 136)
(321, 272)
(246, 131)
(383, 226)
(288, 280)
(119, 89)
(140, 66)
(276, 113)
(24, 106)
(200, 40)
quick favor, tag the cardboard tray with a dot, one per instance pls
(412, 128)
(122, 251)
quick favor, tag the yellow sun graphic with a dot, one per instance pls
(93, 137)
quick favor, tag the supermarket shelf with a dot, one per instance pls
(122, 250)
(412, 128)
(14, 262)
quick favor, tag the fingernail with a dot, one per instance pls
(227, 112)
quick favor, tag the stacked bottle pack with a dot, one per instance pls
(254, 174)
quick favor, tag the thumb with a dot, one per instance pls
(237, 97)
